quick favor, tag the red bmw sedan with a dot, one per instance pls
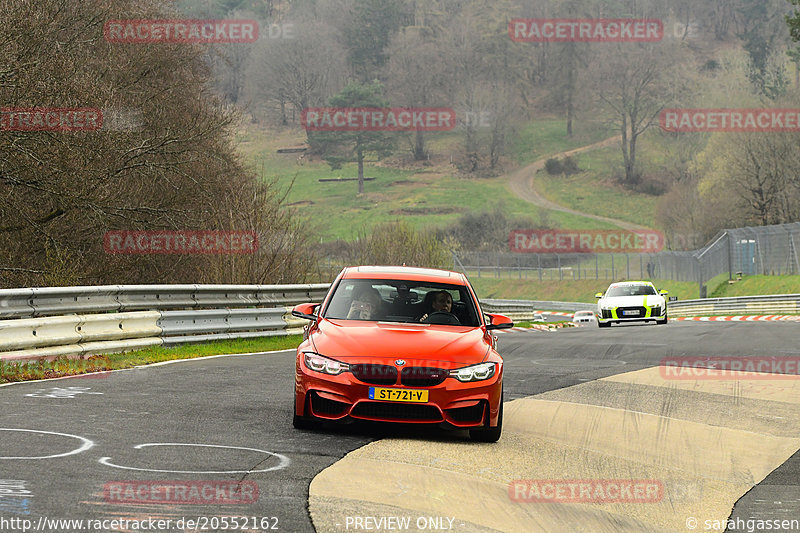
(401, 344)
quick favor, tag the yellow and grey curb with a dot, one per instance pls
(706, 442)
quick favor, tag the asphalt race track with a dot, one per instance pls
(88, 448)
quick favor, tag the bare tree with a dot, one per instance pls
(759, 170)
(635, 82)
(60, 191)
(302, 71)
(418, 74)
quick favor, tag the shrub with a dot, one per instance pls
(553, 167)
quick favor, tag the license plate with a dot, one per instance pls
(629, 313)
(398, 395)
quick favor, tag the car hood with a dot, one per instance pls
(649, 300)
(356, 342)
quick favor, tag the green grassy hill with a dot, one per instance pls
(424, 196)
(595, 191)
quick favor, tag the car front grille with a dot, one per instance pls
(375, 374)
(422, 376)
(396, 411)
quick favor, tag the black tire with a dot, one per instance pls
(662, 322)
(603, 324)
(491, 434)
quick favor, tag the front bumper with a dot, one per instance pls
(450, 403)
(631, 314)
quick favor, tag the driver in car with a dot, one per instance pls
(442, 302)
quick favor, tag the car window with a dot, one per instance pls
(397, 301)
(630, 290)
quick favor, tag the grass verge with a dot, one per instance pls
(752, 285)
(14, 371)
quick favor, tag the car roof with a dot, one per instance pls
(432, 275)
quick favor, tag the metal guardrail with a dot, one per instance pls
(748, 305)
(524, 309)
(47, 301)
(78, 335)
(83, 321)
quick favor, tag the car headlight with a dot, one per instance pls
(326, 365)
(478, 372)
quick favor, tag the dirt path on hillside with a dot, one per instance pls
(521, 183)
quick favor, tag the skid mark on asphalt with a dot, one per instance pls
(706, 442)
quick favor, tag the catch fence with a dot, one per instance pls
(770, 250)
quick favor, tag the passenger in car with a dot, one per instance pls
(366, 304)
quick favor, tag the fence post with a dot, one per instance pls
(730, 256)
(613, 275)
(539, 262)
(701, 287)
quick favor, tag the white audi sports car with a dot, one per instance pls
(631, 301)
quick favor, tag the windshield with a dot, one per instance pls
(630, 290)
(402, 301)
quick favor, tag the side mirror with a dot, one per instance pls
(305, 311)
(663, 292)
(498, 322)
(598, 295)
